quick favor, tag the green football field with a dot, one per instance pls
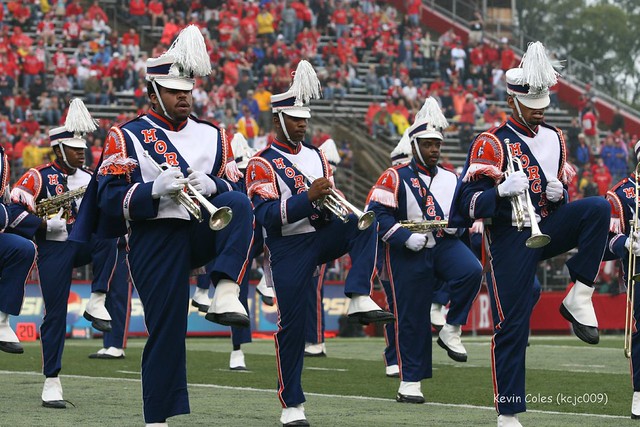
(347, 388)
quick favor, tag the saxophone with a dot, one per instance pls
(50, 206)
(424, 226)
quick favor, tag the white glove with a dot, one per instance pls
(168, 182)
(416, 242)
(515, 184)
(555, 190)
(202, 183)
(636, 244)
(451, 231)
(477, 227)
(57, 228)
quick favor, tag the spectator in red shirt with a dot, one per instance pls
(95, 12)
(74, 9)
(20, 13)
(31, 67)
(131, 42)
(413, 10)
(602, 178)
(156, 9)
(138, 11)
(71, 31)
(340, 20)
(507, 57)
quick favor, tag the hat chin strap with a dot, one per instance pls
(524, 122)
(164, 110)
(419, 154)
(65, 160)
(284, 129)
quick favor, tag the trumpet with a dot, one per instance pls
(537, 239)
(337, 204)
(219, 218)
(424, 226)
(632, 276)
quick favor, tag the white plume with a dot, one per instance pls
(190, 52)
(538, 71)
(432, 114)
(404, 146)
(79, 120)
(305, 84)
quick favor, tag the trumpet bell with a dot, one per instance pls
(538, 241)
(220, 218)
(365, 220)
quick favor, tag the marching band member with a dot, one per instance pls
(486, 191)
(18, 257)
(57, 256)
(301, 235)
(134, 191)
(118, 303)
(422, 191)
(623, 198)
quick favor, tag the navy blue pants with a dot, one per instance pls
(118, 301)
(162, 254)
(412, 278)
(293, 260)
(441, 295)
(314, 332)
(17, 257)
(583, 224)
(56, 261)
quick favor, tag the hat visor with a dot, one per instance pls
(71, 142)
(535, 103)
(430, 133)
(302, 113)
(177, 84)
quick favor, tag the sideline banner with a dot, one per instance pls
(546, 317)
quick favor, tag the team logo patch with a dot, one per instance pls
(487, 150)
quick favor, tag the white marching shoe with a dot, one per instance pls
(266, 293)
(392, 371)
(449, 339)
(157, 425)
(52, 394)
(226, 309)
(577, 308)
(364, 310)
(508, 421)
(9, 341)
(96, 312)
(410, 392)
(437, 318)
(293, 416)
(315, 350)
(635, 406)
(108, 353)
(236, 361)
(200, 299)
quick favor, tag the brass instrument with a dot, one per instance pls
(49, 207)
(337, 204)
(537, 239)
(632, 276)
(424, 226)
(219, 218)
